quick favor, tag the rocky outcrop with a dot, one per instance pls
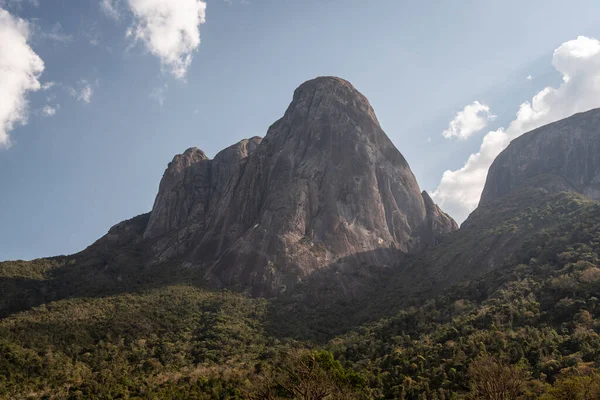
(523, 185)
(227, 162)
(438, 223)
(324, 184)
(324, 190)
(568, 149)
(182, 195)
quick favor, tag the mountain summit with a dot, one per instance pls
(325, 184)
(566, 151)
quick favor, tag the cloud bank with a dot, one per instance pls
(20, 70)
(579, 63)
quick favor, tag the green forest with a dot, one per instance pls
(529, 329)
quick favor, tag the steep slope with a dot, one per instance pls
(497, 235)
(537, 185)
(524, 195)
(539, 311)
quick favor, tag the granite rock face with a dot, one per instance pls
(183, 191)
(325, 184)
(568, 149)
(438, 222)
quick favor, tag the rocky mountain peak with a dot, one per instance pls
(331, 92)
(568, 150)
(325, 187)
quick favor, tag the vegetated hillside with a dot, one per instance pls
(533, 321)
(498, 233)
(539, 313)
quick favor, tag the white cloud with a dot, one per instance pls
(49, 111)
(170, 30)
(159, 94)
(111, 8)
(579, 62)
(57, 34)
(20, 70)
(473, 118)
(84, 92)
(18, 3)
(529, 77)
(48, 85)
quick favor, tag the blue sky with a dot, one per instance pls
(121, 110)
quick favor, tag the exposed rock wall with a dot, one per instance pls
(569, 149)
(325, 184)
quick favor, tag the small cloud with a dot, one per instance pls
(18, 4)
(84, 91)
(428, 140)
(170, 30)
(473, 118)
(92, 34)
(55, 34)
(159, 94)
(49, 111)
(48, 85)
(111, 9)
(529, 77)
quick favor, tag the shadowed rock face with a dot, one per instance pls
(568, 149)
(325, 184)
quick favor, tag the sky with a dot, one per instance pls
(96, 97)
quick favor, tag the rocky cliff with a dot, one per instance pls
(324, 184)
(568, 149)
(524, 195)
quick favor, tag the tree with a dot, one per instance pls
(307, 375)
(576, 386)
(492, 379)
